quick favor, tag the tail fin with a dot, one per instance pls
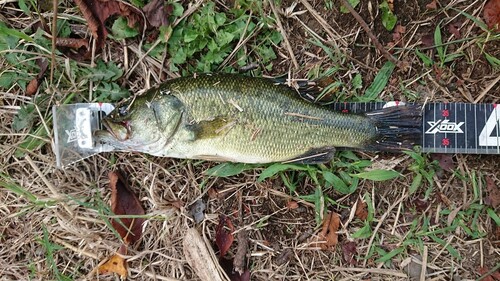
(398, 128)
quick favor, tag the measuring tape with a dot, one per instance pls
(449, 127)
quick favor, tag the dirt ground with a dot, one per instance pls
(53, 225)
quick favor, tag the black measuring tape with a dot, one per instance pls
(449, 127)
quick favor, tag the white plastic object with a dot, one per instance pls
(74, 125)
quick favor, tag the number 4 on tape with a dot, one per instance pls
(493, 124)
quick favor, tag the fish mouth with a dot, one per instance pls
(114, 128)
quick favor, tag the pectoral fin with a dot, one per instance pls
(315, 156)
(212, 128)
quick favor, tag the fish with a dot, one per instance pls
(237, 118)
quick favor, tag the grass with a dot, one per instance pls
(54, 224)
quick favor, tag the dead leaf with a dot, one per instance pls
(454, 28)
(493, 276)
(361, 212)
(493, 198)
(178, 204)
(390, 3)
(427, 40)
(115, 264)
(491, 14)
(96, 12)
(213, 193)
(445, 161)
(397, 35)
(329, 230)
(432, 5)
(223, 238)
(444, 199)
(291, 205)
(239, 261)
(35, 82)
(157, 12)
(125, 203)
(420, 204)
(285, 256)
(453, 215)
(349, 251)
(496, 232)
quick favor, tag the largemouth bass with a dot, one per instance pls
(236, 118)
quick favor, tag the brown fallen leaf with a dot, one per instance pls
(328, 232)
(115, 264)
(96, 12)
(125, 203)
(178, 204)
(420, 204)
(432, 5)
(493, 276)
(493, 198)
(35, 82)
(427, 40)
(444, 199)
(491, 14)
(445, 161)
(292, 205)
(223, 238)
(239, 262)
(349, 251)
(361, 211)
(157, 12)
(397, 35)
(390, 3)
(496, 232)
(454, 28)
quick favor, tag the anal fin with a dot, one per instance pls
(315, 156)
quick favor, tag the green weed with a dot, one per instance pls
(423, 171)
(441, 49)
(205, 40)
(389, 19)
(50, 251)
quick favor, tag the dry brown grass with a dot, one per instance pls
(71, 204)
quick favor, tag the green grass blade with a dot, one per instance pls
(390, 255)
(377, 175)
(228, 169)
(379, 82)
(278, 167)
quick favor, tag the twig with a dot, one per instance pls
(382, 271)
(327, 27)
(370, 34)
(423, 271)
(283, 34)
(379, 224)
(487, 89)
(54, 39)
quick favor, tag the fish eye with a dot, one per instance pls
(122, 111)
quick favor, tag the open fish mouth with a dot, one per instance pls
(114, 128)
